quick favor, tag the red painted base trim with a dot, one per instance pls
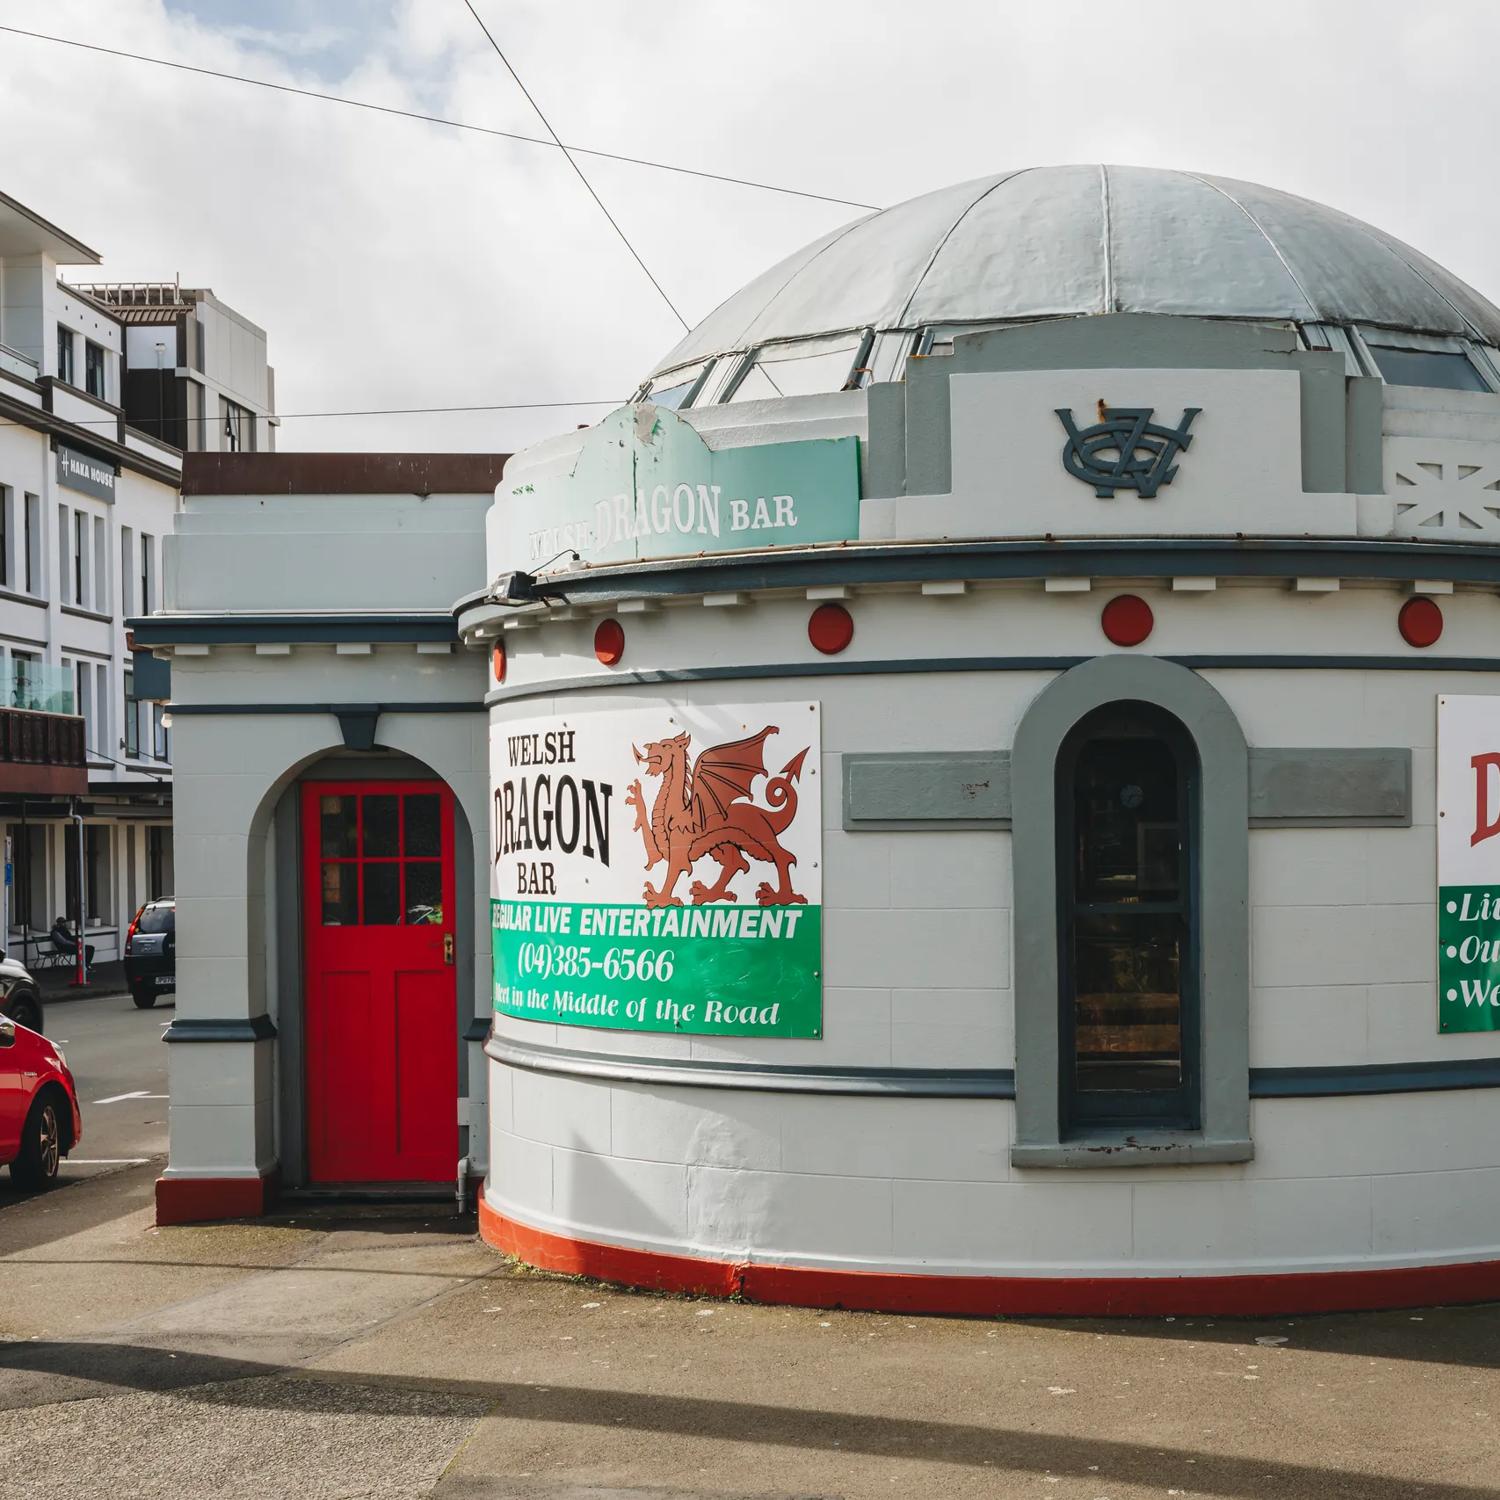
(195, 1200)
(994, 1296)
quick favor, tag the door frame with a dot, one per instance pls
(286, 920)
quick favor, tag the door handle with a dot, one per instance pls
(448, 948)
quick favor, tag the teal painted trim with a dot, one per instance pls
(676, 1072)
(1223, 906)
(961, 1083)
(1364, 465)
(477, 1030)
(1123, 557)
(462, 706)
(253, 1029)
(1375, 1078)
(244, 630)
(921, 789)
(756, 671)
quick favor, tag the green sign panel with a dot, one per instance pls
(644, 484)
(714, 972)
(1468, 858)
(1469, 958)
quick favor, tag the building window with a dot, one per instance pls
(23, 665)
(1127, 789)
(147, 600)
(97, 869)
(101, 566)
(64, 355)
(1435, 368)
(80, 542)
(93, 368)
(7, 531)
(160, 735)
(239, 429)
(31, 521)
(83, 696)
(159, 878)
(132, 718)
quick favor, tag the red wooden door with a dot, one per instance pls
(381, 1078)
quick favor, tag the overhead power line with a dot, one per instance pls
(426, 119)
(613, 222)
(374, 411)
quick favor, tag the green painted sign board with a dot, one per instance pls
(1468, 859)
(645, 485)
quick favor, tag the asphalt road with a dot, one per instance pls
(117, 1057)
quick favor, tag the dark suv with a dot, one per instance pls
(151, 952)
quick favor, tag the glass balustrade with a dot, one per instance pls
(36, 686)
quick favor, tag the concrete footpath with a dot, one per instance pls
(361, 1355)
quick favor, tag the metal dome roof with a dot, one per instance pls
(1046, 242)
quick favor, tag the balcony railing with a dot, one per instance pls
(15, 363)
(36, 688)
(31, 739)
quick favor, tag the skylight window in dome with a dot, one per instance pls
(1437, 362)
(807, 367)
(677, 389)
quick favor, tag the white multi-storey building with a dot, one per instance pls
(90, 475)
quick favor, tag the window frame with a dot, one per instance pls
(93, 364)
(1043, 1135)
(66, 350)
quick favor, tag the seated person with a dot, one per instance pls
(65, 940)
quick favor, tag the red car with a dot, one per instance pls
(39, 1119)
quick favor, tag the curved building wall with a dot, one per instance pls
(889, 1144)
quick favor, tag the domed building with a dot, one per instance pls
(1122, 531)
(992, 770)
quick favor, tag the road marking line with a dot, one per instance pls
(139, 1094)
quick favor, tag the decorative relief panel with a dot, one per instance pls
(1444, 487)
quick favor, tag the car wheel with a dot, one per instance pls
(144, 997)
(25, 1009)
(36, 1164)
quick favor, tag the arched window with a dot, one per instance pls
(1130, 1013)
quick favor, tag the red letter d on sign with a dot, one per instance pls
(1484, 826)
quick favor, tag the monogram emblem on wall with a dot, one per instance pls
(1125, 449)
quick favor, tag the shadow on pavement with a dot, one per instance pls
(1100, 1460)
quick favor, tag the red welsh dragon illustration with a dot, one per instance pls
(708, 811)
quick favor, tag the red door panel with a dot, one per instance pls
(381, 995)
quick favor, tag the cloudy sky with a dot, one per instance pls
(400, 264)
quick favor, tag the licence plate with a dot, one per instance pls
(167, 983)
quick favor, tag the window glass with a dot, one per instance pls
(340, 895)
(382, 831)
(337, 817)
(93, 368)
(1129, 1001)
(807, 368)
(1429, 367)
(674, 388)
(158, 919)
(64, 355)
(382, 893)
(422, 831)
(424, 892)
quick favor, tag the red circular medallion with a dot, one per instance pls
(609, 642)
(1420, 621)
(831, 628)
(1127, 620)
(497, 661)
